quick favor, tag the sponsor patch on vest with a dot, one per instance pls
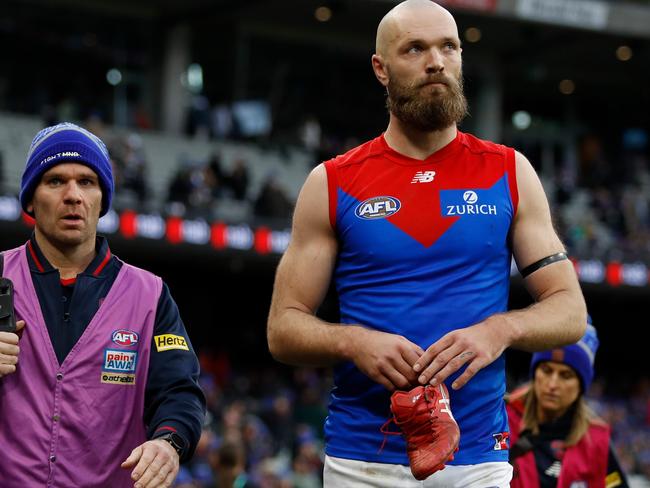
(125, 337)
(166, 342)
(119, 367)
(119, 361)
(118, 379)
(377, 208)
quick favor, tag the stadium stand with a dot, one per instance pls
(164, 155)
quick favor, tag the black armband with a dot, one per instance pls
(560, 256)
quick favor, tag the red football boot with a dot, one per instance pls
(430, 430)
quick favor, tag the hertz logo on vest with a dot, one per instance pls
(167, 342)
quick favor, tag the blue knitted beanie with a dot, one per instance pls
(580, 356)
(66, 143)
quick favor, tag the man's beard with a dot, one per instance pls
(431, 111)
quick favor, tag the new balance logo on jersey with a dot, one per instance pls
(423, 177)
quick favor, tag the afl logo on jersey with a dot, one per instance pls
(377, 208)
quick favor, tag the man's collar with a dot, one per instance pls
(38, 262)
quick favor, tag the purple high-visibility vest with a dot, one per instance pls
(72, 425)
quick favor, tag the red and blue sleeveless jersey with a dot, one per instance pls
(423, 250)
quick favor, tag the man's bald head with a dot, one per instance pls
(399, 19)
(419, 61)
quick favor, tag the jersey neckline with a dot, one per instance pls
(441, 154)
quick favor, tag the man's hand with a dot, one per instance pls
(477, 346)
(156, 464)
(385, 358)
(9, 350)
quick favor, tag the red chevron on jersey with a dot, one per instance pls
(375, 170)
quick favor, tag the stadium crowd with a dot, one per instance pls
(264, 428)
(603, 208)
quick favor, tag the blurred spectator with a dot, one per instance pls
(215, 175)
(279, 416)
(127, 153)
(198, 472)
(230, 467)
(257, 439)
(142, 118)
(198, 118)
(310, 134)
(237, 180)
(272, 201)
(308, 463)
(193, 187)
(222, 121)
(595, 171)
(553, 432)
(180, 187)
(2, 172)
(217, 365)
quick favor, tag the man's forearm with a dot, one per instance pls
(298, 338)
(555, 321)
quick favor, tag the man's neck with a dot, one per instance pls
(415, 143)
(69, 260)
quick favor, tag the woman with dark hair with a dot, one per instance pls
(556, 439)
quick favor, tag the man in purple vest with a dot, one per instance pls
(99, 383)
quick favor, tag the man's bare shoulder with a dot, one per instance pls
(359, 154)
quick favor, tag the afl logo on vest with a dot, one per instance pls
(124, 337)
(377, 208)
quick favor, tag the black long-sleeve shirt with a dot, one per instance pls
(173, 399)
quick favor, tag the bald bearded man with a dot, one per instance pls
(417, 228)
